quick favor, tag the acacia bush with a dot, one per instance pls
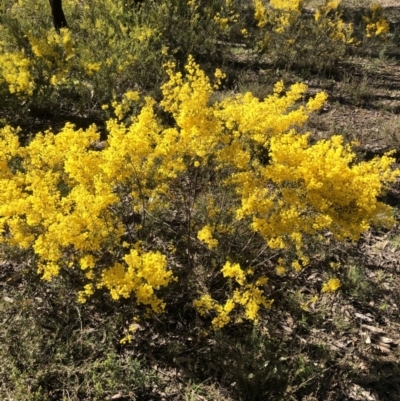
(97, 209)
(293, 36)
(109, 48)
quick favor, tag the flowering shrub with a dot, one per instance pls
(73, 202)
(376, 24)
(290, 35)
(43, 69)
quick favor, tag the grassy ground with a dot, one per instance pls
(345, 346)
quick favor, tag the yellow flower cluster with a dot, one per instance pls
(15, 71)
(234, 271)
(260, 13)
(249, 297)
(141, 274)
(314, 188)
(92, 68)
(56, 52)
(330, 23)
(122, 108)
(225, 18)
(375, 23)
(143, 33)
(280, 15)
(286, 4)
(331, 285)
(206, 235)
(221, 21)
(35, 56)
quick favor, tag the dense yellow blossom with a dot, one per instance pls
(206, 235)
(234, 271)
(92, 68)
(331, 285)
(316, 187)
(142, 274)
(15, 71)
(204, 304)
(67, 201)
(286, 4)
(329, 22)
